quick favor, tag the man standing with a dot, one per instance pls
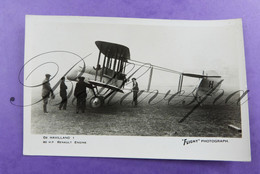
(46, 91)
(81, 94)
(135, 90)
(63, 94)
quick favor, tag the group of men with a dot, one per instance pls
(47, 91)
(80, 93)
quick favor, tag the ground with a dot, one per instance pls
(143, 120)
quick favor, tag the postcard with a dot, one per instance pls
(135, 88)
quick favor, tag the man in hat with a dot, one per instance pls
(63, 94)
(81, 94)
(46, 91)
(135, 90)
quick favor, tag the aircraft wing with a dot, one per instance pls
(105, 85)
(199, 75)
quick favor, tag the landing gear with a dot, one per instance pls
(96, 101)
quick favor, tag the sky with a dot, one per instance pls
(184, 46)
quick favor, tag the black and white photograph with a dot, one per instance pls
(135, 88)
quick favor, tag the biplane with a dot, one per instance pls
(109, 75)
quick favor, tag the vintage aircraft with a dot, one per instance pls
(112, 76)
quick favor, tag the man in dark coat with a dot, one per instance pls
(63, 94)
(46, 91)
(135, 90)
(81, 94)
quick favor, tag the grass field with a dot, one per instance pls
(144, 120)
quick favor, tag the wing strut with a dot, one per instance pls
(150, 79)
(180, 83)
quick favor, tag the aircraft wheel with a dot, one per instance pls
(96, 102)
